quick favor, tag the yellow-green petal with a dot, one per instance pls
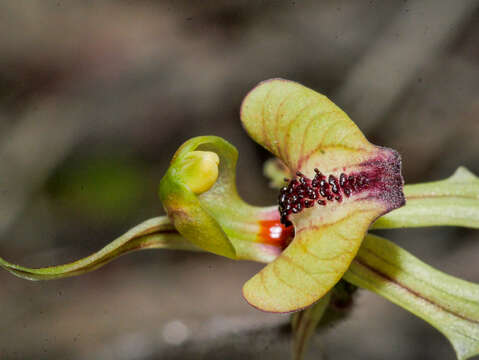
(303, 128)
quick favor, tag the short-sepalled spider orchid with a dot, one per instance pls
(337, 187)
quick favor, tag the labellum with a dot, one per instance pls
(341, 184)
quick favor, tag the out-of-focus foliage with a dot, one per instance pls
(95, 187)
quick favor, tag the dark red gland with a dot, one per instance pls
(381, 176)
(303, 192)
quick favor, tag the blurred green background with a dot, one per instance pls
(95, 97)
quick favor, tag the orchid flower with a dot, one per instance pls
(335, 186)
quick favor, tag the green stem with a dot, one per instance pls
(304, 325)
(155, 233)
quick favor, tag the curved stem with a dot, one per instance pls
(151, 234)
(304, 325)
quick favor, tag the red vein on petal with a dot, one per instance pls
(317, 117)
(290, 261)
(333, 258)
(277, 275)
(320, 147)
(317, 227)
(305, 249)
(263, 282)
(336, 146)
(286, 156)
(342, 236)
(276, 122)
(265, 132)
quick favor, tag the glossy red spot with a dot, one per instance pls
(272, 232)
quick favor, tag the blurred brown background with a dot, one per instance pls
(95, 96)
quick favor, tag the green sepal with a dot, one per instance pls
(190, 218)
(450, 202)
(449, 304)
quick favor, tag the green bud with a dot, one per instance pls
(195, 169)
(199, 170)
